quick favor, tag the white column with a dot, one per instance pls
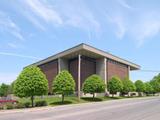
(105, 71)
(128, 71)
(59, 65)
(79, 76)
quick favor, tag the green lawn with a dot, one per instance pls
(53, 101)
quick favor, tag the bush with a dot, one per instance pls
(1, 107)
(19, 105)
(26, 104)
(9, 106)
(41, 103)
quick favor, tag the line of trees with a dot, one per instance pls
(32, 82)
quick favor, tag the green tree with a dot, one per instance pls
(31, 82)
(149, 89)
(155, 85)
(4, 90)
(155, 82)
(115, 85)
(93, 84)
(140, 87)
(128, 86)
(63, 84)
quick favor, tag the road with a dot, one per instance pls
(126, 109)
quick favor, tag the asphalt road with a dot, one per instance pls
(128, 109)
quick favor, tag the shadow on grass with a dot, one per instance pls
(60, 103)
(90, 99)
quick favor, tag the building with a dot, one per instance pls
(84, 60)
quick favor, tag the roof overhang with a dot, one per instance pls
(89, 51)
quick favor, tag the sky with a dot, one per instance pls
(31, 30)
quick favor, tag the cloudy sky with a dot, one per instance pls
(31, 30)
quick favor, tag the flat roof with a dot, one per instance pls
(84, 48)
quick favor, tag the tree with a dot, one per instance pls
(128, 86)
(63, 84)
(4, 90)
(148, 88)
(140, 87)
(155, 85)
(115, 85)
(93, 84)
(31, 82)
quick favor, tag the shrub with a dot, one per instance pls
(9, 106)
(115, 85)
(1, 107)
(40, 103)
(19, 105)
(27, 104)
(93, 84)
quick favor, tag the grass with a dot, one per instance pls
(54, 101)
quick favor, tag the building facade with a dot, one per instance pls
(84, 60)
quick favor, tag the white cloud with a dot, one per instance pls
(44, 11)
(69, 14)
(124, 4)
(148, 26)
(19, 55)
(10, 26)
(138, 24)
(7, 77)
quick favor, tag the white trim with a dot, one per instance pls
(90, 49)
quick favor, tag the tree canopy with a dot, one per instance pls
(63, 84)
(148, 88)
(155, 83)
(114, 85)
(4, 90)
(31, 82)
(94, 84)
(140, 87)
(128, 86)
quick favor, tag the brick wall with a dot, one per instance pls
(73, 69)
(88, 67)
(50, 69)
(116, 69)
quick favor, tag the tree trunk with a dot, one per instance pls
(62, 98)
(93, 95)
(32, 99)
(112, 95)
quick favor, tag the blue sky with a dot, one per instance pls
(31, 30)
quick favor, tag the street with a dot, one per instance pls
(126, 109)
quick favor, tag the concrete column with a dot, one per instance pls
(59, 65)
(105, 70)
(79, 76)
(128, 71)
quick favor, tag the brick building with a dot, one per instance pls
(84, 60)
